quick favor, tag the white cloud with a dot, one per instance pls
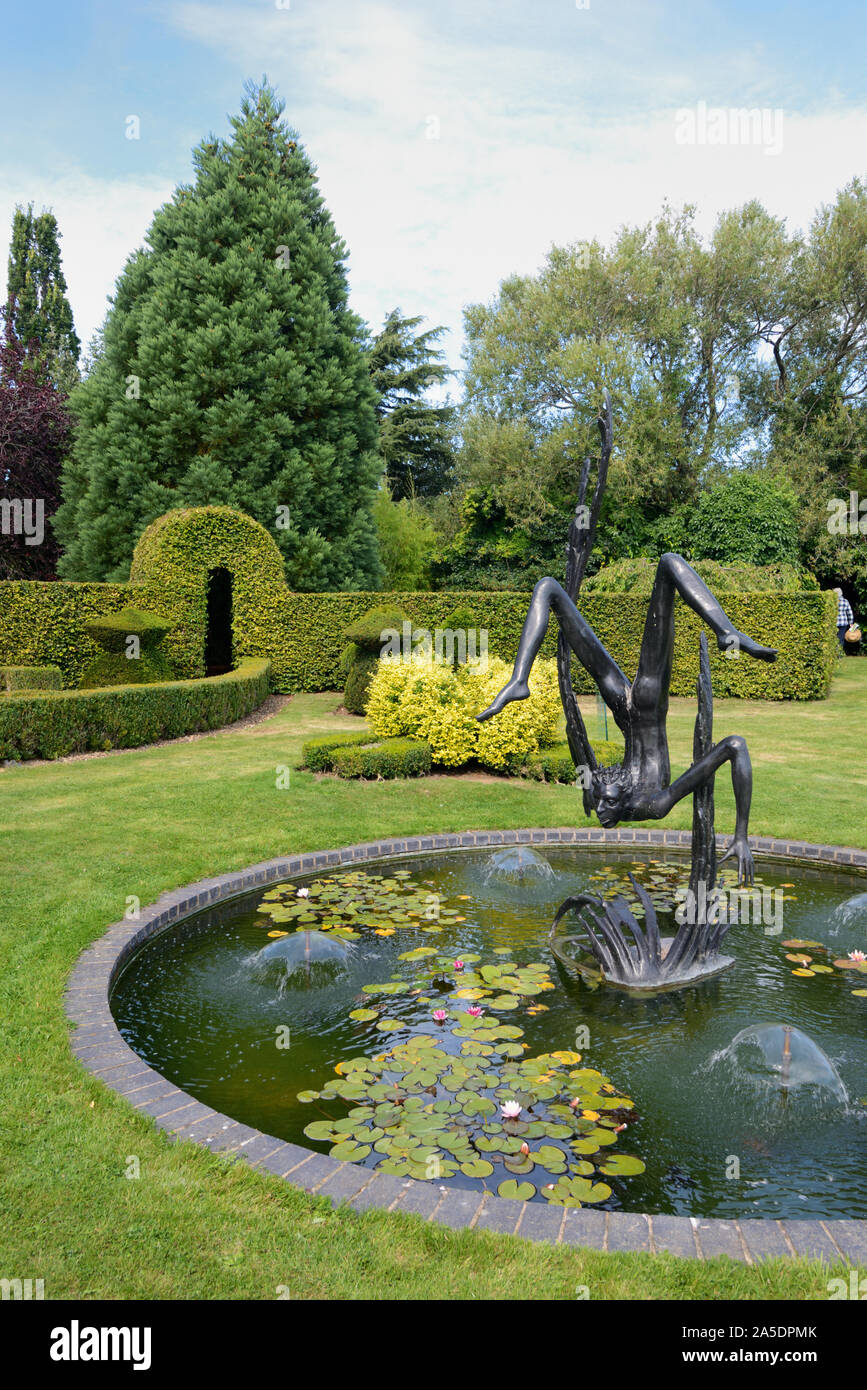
(527, 155)
(539, 143)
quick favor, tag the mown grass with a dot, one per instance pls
(78, 838)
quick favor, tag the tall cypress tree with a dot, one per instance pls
(38, 304)
(415, 436)
(233, 372)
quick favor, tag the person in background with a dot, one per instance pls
(845, 619)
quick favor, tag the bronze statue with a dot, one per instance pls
(639, 788)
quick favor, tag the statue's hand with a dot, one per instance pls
(740, 847)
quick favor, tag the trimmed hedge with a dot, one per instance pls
(801, 625)
(316, 752)
(30, 678)
(45, 622)
(57, 723)
(302, 634)
(363, 755)
(394, 757)
(637, 576)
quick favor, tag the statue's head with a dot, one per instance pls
(609, 794)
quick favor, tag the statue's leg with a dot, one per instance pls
(548, 595)
(675, 576)
(731, 749)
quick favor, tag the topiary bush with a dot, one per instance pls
(360, 657)
(461, 619)
(53, 724)
(112, 631)
(175, 557)
(357, 684)
(30, 678)
(126, 662)
(439, 703)
(113, 668)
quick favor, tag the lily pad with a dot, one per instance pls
(477, 1168)
(320, 1129)
(350, 1152)
(519, 1191)
(621, 1165)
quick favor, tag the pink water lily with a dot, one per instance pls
(510, 1110)
(459, 965)
(439, 1015)
(474, 1011)
(857, 956)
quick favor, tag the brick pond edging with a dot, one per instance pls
(98, 1045)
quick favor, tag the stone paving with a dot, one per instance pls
(98, 1045)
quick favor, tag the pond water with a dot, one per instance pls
(748, 1089)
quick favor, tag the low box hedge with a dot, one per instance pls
(31, 678)
(316, 752)
(364, 755)
(53, 724)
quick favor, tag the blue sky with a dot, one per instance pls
(455, 141)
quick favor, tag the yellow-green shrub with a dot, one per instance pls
(437, 703)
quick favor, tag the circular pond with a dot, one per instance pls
(409, 1014)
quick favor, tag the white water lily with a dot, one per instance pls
(303, 893)
(511, 1110)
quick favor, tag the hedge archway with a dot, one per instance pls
(175, 557)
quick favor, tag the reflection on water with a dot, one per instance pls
(187, 1005)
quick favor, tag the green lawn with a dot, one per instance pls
(78, 838)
